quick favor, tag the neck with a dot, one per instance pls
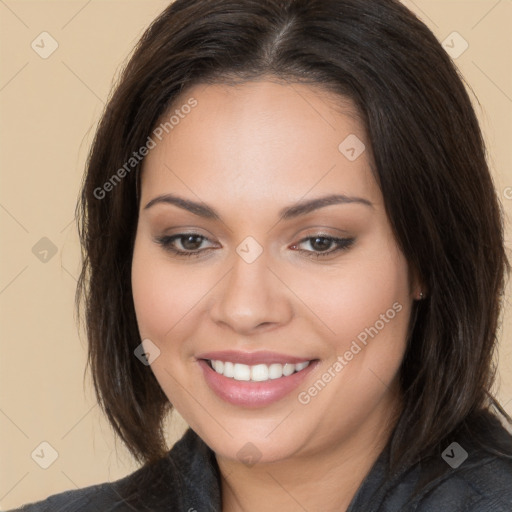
(326, 479)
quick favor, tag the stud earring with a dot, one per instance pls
(421, 295)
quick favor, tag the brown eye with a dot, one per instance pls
(189, 244)
(321, 244)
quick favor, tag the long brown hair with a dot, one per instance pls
(429, 163)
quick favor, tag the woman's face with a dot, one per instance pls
(274, 277)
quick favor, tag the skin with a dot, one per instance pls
(249, 151)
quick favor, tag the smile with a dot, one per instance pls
(257, 379)
(256, 373)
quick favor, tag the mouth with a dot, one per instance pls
(256, 379)
(255, 373)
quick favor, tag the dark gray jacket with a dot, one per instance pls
(187, 480)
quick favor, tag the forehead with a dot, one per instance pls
(260, 139)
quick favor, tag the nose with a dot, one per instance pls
(252, 298)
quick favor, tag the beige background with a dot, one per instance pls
(48, 110)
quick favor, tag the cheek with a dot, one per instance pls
(372, 292)
(162, 296)
(367, 310)
(164, 301)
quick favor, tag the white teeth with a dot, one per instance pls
(258, 372)
(242, 372)
(218, 366)
(288, 369)
(301, 366)
(275, 371)
(228, 369)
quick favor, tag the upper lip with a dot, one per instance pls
(252, 358)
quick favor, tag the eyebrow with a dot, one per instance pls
(290, 212)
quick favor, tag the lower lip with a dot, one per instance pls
(253, 394)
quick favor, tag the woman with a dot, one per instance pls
(291, 235)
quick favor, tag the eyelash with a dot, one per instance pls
(343, 244)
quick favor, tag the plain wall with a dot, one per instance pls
(48, 111)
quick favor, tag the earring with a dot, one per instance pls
(421, 295)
